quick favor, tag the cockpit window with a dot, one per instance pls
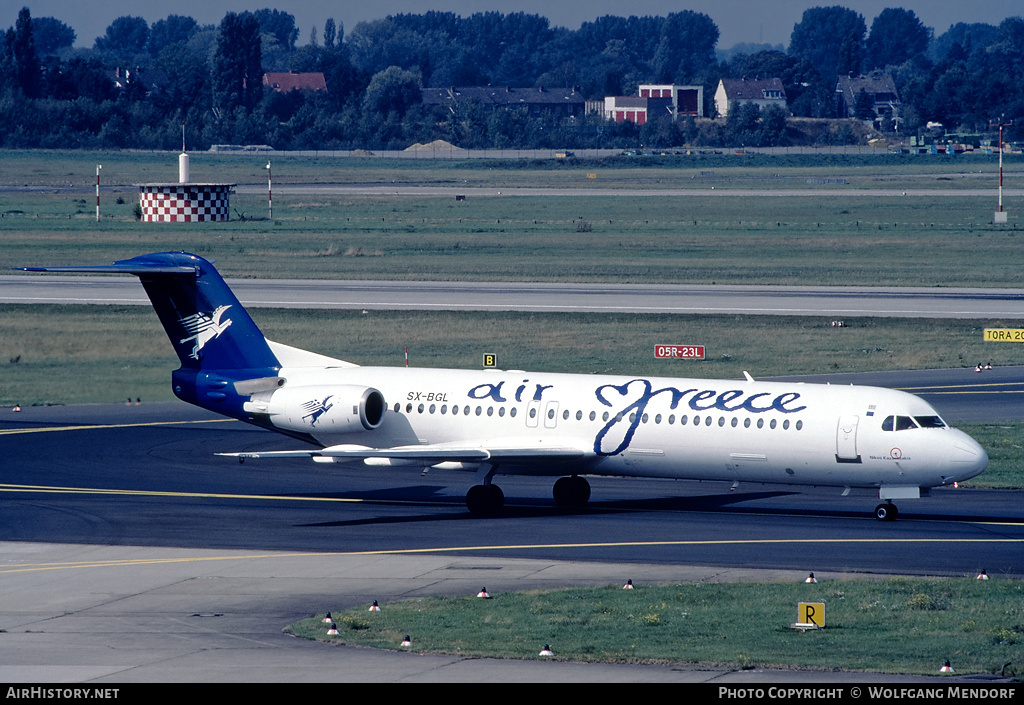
(902, 423)
(930, 422)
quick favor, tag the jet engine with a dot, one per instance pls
(335, 409)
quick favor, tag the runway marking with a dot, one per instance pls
(963, 386)
(924, 390)
(158, 493)
(115, 563)
(93, 427)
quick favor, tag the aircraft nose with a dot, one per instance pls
(967, 457)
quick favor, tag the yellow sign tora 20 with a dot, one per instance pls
(1004, 335)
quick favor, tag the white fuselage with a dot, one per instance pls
(748, 431)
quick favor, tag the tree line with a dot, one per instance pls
(208, 78)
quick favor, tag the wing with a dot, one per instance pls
(499, 453)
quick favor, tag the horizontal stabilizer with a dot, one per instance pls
(129, 267)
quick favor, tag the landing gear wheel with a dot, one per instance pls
(485, 500)
(571, 491)
(886, 512)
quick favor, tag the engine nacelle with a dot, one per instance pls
(341, 408)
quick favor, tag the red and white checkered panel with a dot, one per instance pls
(185, 203)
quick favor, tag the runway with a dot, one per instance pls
(108, 467)
(909, 302)
(131, 553)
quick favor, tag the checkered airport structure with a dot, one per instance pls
(185, 203)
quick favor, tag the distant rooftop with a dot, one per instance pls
(294, 81)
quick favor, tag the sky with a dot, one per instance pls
(739, 21)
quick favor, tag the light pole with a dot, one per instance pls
(1000, 215)
(270, 194)
(98, 167)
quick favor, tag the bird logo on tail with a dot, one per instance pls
(204, 327)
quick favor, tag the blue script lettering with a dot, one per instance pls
(617, 434)
(484, 391)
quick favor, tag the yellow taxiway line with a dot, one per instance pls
(93, 427)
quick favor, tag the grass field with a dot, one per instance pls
(900, 625)
(68, 354)
(841, 238)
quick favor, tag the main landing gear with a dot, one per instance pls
(886, 511)
(571, 491)
(485, 500)
(488, 500)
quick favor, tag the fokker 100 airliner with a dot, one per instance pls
(495, 422)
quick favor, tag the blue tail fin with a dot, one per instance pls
(208, 327)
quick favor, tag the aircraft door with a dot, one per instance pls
(532, 414)
(551, 414)
(846, 439)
